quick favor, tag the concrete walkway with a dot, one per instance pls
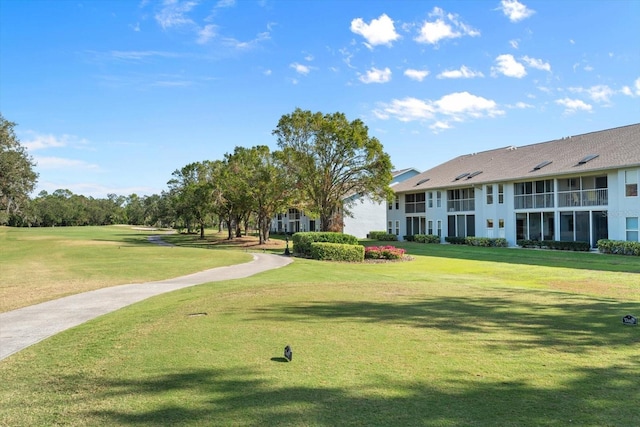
(26, 326)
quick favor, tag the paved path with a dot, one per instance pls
(26, 326)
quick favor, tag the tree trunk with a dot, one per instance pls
(202, 230)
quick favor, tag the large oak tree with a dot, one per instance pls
(17, 177)
(332, 158)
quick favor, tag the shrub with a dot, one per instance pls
(383, 252)
(487, 242)
(382, 236)
(324, 251)
(555, 245)
(619, 247)
(426, 238)
(302, 241)
(456, 240)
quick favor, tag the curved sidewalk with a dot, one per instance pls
(26, 326)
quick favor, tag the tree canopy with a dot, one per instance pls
(17, 177)
(332, 159)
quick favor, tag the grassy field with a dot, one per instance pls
(456, 337)
(45, 263)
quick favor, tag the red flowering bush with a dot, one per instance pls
(383, 252)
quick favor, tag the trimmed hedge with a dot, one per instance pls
(555, 244)
(383, 252)
(487, 242)
(426, 238)
(478, 241)
(324, 251)
(382, 236)
(619, 247)
(302, 241)
(456, 240)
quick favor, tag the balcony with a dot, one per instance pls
(593, 197)
(533, 201)
(461, 205)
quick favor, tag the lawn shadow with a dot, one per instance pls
(238, 397)
(565, 322)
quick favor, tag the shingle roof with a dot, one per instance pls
(615, 148)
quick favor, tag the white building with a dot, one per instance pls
(579, 188)
(366, 214)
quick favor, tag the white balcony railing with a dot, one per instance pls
(593, 197)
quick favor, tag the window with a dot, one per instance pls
(500, 193)
(430, 200)
(397, 228)
(396, 201)
(430, 227)
(631, 183)
(390, 227)
(415, 225)
(414, 203)
(501, 223)
(461, 199)
(490, 224)
(632, 229)
(461, 226)
(438, 199)
(533, 194)
(439, 228)
(489, 194)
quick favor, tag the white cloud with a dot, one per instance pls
(463, 73)
(206, 33)
(514, 43)
(375, 75)
(445, 26)
(225, 3)
(406, 110)
(174, 13)
(452, 108)
(598, 93)
(35, 141)
(300, 68)
(138, 55)
(520, 105)
(248, 45)
(515, 11)
(418, 75)
(380, 31)
(507, 65)
(537, 63)
(637, 86)
(63, 163)
(439, 126)
(461, 104)
(573, 105)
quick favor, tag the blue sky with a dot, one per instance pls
(113, 96)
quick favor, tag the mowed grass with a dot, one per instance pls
(39, 264)
(442, 340)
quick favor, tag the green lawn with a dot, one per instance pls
(39, 264)
(456, 337)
